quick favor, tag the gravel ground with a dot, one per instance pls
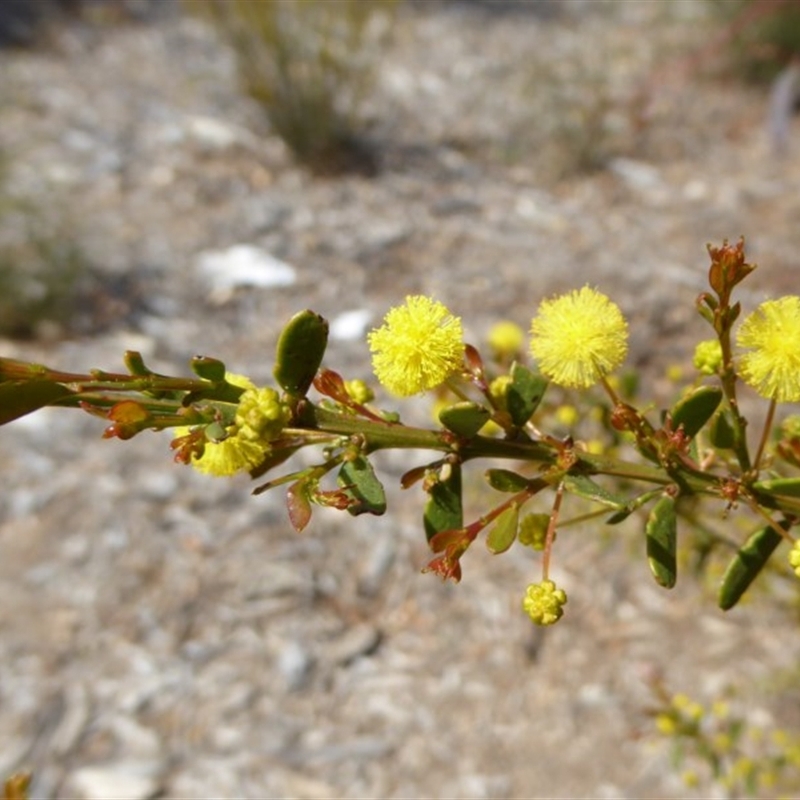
(165, 634)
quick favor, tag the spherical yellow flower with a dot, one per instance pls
(418, 347)
(544, 603)
(578, 338)
(231, 455)
(771, 335)
(258, 418)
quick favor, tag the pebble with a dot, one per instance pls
(243, 265)
(295, 664)
(125, 780)
(350, 325)
(360, 640)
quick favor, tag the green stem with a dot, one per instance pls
(728, 378)
(385, 435)
(765, 434)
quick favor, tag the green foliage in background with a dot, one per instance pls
(761, 36)
(310, 65)
(44, 273)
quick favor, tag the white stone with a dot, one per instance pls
(350, 325)
(123, 781)
(243, 265)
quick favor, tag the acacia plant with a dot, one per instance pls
(657, 465)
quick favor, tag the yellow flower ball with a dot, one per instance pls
(544, 603)
(418, 347)
(231, 455)
(771, 338)
(579, 338)
(245, 447)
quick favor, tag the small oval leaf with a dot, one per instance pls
(504, 531)
(747, 563)
(779, 487)
(18, 398)
(465, 419)
(695, 410)
(584, 486)
(301, 347)
(720, 432)
(524, 394)
(359, 482)
(504, 480)
(298, 505)
(210, 369)
(661, 537)
(444, 510)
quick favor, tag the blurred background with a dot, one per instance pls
(179, 178)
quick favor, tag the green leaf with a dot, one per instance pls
(465, 419)
(444, 510)
(135, 363)
(524, 394)
(779, 487)
(504, 480)
(721, 432)
(661, 536)
(584, 486)
(695, 410)
(504, 531)
(360, 483)
(632, 505)
(210, 369)
(747, 563)
(18, 398)
(301, 347)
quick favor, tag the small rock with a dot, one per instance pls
(243, 265)
(350, 325)
(212, 133)
(360, 640)
(295, 664)
(640, 177)
(125, 780)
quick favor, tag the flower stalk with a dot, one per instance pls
(496, 409)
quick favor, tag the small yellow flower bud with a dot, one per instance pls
(498, 388)
(544, 603)
(567, 415)
(359, 391)
(506, 339)
(665, 724)
(533, 530)
(708, 357)
(794, 557)
(690, 778)
(261, 415)
(674, 373)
